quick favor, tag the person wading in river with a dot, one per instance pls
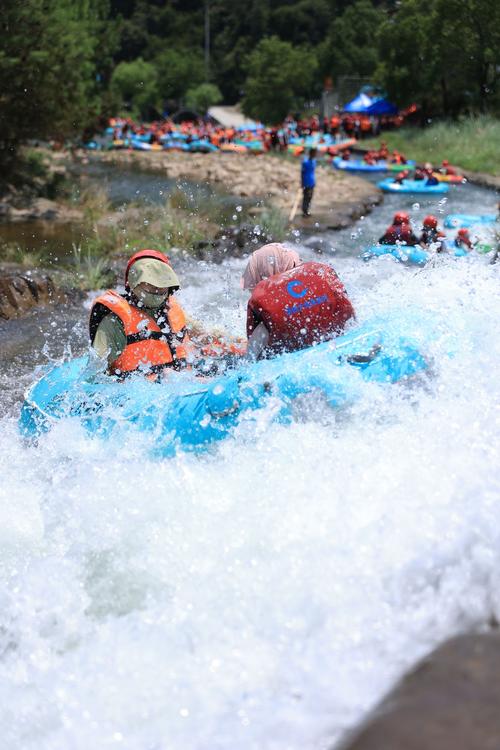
(145, 328)
(308, 179)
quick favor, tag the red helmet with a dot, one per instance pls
(145, 254)
(430, 222)
(401, 217)
(463, 234)
(445, 162)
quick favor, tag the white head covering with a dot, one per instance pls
(268, 261)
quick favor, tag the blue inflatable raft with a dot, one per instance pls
(413, 186)
(461, 221)
(356, 165)
(191, 413)
(408, 253)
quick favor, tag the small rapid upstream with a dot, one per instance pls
(266, 594)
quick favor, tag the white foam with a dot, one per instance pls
(264, 595)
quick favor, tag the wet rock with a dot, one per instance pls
(319, 245)
(234, 241)
(22, 291)
(43, 209)
(451, 701)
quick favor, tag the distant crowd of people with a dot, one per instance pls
(290, 133)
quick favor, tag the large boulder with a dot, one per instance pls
(20, 292)
(450, 701)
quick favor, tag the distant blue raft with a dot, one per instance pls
(191, 413)
(356, 165)
(408, 253)
(461, 221)
(413, 186)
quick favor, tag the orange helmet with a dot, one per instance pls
(401, 217)
(430, 222)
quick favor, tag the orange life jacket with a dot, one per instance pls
(148, 346)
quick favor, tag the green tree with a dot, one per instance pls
(201, 97)
(280, 77)
(409, 54)
(351, 45)
(470, 50)
(136, 84)
(178, 70)
(447, 55)
(48, 66)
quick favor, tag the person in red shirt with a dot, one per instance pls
(446, 169)
(432, 237)
(463, 240)
(404, 174)
(399, 231)
(293, 305)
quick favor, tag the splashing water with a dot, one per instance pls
(266, 594)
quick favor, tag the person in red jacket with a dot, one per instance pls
(401, 176)
(446, 169)
(399, 231)
(293, 304)
(432, 237)
(463, 240)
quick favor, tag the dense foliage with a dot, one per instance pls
(447, 54)
(62, 62)
(50, 53)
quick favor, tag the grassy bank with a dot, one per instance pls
(472, 143)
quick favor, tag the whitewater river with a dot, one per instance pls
(266, 595)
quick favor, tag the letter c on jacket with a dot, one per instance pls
(291, 288)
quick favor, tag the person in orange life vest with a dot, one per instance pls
(431, 235)
(400, 176)
(145, 328)
(293, 305)
(446, 169)
(463, 240)
(383, 152)
(399, 231)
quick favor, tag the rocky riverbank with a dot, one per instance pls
(339, 199)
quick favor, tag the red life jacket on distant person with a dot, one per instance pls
(399, 233)
(300, 307)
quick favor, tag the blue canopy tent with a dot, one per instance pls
(359, 104)
(363, 104)
(382, 107)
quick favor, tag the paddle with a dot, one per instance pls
(295, 205)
